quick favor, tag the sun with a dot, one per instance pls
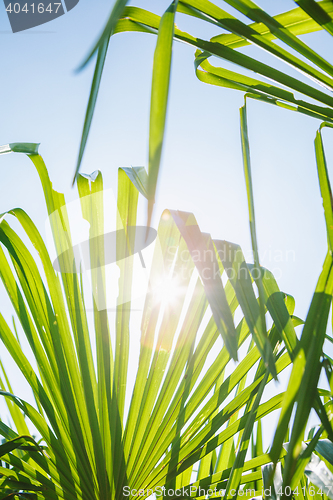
(167, 290)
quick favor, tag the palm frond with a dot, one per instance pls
(179, 409)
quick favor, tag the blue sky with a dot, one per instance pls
(43, 100)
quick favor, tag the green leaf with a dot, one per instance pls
(316, 12)
(325, 187)
(159, 99)
(20, 147)
(93, 446)
(230, 23)
(254, 12)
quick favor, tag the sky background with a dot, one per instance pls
(44, 100)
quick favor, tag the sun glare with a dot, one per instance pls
(167, 290)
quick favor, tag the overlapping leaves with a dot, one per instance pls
(180, 411)
(277, 36)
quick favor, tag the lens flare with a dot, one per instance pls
(167, 290)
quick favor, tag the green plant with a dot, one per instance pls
(315, 100)
(180, 413)
(263, 31)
